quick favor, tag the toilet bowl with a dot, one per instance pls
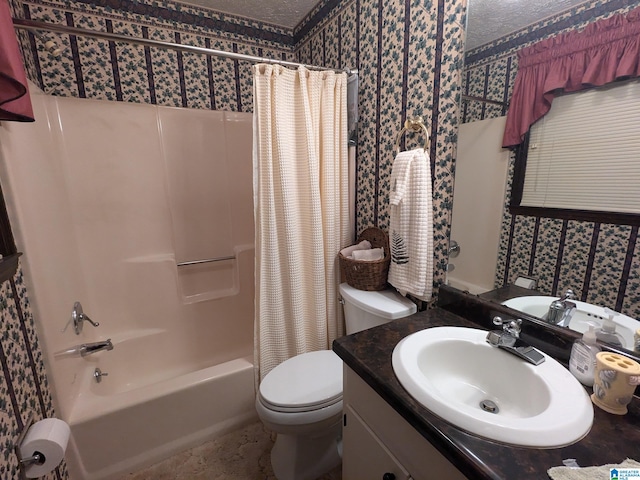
(301, 399)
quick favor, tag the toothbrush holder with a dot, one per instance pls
(615, 381)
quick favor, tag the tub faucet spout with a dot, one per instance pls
(90, 348)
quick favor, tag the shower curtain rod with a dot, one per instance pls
(33, 25)
(485, 100)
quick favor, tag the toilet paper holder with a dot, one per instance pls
(36, 459)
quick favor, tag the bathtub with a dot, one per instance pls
(154, 236)
(143, 412)
(467, 286)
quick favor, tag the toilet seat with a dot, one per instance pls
(307, 408)
(304, 383)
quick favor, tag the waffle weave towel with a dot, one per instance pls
(411, 225)
(590, 473)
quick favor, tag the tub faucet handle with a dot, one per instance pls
(85, 317)
(78, 317)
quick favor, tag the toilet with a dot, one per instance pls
(301, 399)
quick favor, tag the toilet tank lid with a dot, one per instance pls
(304, 380)
(386, 303)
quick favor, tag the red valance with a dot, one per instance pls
(15, 103)
(605, 51)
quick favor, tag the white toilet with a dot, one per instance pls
(301, 399)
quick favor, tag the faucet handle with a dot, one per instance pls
(505, 323)
(78, 317)
(569, 295)
(85, 317)
(512, 327)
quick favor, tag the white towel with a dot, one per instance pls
(589, 473)
(370, 255)
(348, 251)
(411, 229)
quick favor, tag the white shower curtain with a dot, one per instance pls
(301, 210)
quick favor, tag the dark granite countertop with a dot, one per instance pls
(612, 438)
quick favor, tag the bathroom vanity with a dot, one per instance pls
(387, 432)
(381, 442)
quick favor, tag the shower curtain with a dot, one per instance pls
(301, 210)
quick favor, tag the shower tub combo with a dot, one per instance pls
(144, 214)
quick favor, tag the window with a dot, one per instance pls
(582, 159)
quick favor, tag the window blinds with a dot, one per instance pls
(585, 153)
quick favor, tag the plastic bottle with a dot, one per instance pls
(582, 363)
(608, 332)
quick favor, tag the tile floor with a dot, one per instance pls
(239, 455)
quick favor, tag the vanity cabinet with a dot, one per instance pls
(367, 456)
(379, 444)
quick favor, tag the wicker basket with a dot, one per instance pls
(370, 275)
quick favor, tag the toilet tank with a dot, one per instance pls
(364, 309)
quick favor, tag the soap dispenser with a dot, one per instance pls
(582, 363)
(608, 332)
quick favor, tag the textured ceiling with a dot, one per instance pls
(491, 19)
(285, 13)
(488, 19)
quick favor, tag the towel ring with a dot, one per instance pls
(415, 125)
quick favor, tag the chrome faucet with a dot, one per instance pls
(562, 309)
(91, 348)
(509, 339)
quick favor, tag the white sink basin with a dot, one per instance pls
(453, 370)
(586, 314)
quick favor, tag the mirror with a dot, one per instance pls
(611, 327)
(591, 258)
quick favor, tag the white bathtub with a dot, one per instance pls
(114, 199)
(132, 419)
(467, 286)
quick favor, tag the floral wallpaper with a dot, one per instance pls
(599, 262)
(24, 390)
(409, 57)
(108, 70)
(409, 54)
